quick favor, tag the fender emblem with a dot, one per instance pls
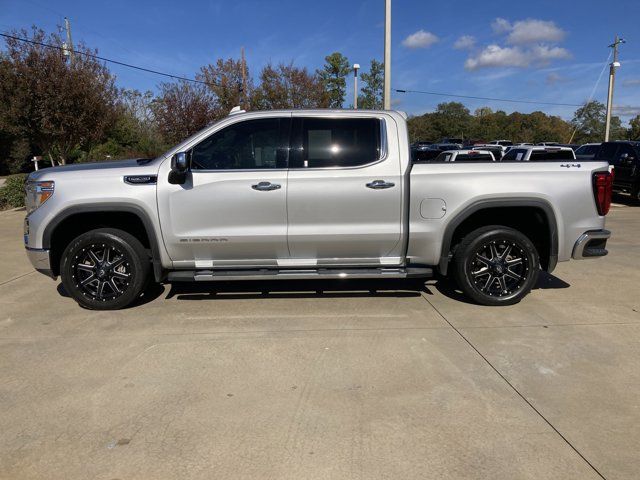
(569, 165)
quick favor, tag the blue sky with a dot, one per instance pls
(550, 51)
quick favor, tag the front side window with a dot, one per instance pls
(337, 142)
(247, 145)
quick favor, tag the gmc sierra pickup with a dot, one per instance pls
(307, 195)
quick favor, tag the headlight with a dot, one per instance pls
(37, 194)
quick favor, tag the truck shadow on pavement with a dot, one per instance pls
(296, 289)
(397, 288)
(449, 289)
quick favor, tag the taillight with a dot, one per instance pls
(602, 190)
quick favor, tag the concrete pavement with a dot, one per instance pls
(324, 380)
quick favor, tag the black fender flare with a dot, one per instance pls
(469, 210)
(111, 207)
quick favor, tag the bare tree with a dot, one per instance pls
(182, 109)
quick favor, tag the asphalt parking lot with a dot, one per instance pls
(335, 380)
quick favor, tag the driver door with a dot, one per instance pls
(231, 211)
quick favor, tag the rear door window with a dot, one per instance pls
(336, 142)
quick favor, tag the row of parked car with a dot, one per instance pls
(623, 155)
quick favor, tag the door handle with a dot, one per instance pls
(380, 184)
(265, 186)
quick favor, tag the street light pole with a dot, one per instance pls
(68, 50)
(356, 67)
(612, 76)
(387, 54)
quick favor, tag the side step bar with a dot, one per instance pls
(297, 274)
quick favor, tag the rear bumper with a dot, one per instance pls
(40, 259)
(591, 244)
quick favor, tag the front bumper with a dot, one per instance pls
(591, 244)
(40, 259)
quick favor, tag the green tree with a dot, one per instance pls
(634, 130)
(373, 87)
(135, 132)
(589, 123)
(333, 76)
(452, 119)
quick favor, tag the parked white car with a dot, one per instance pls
(466, 155)
(538, 153)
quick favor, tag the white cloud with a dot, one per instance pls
(464, 42)
(497, 56)
(543, 54)
(626, 110)
(631, 82)
(420, 39)
(528, 42)
(501, 25)
(534, 31)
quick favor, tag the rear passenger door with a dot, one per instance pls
(344, 203)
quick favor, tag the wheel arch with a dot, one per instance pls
(490, 208)
(116, 215)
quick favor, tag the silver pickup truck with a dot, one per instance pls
(315, 194)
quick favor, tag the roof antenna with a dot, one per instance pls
(235, 110)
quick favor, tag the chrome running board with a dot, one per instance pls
(297, 274)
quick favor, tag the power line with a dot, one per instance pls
(510, 100)
(97, 57)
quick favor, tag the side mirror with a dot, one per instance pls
(180, 162)
(179, 168)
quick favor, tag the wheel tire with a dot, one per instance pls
(496, 265)
(97, 282)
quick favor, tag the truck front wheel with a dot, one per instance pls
(496, 265)
(104, 269)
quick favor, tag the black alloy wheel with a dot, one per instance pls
(101, 272)
(496, 265)
(105, 269)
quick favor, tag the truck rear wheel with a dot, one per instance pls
(496, 265)
(104, 269)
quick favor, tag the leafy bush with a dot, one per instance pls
(12, 192)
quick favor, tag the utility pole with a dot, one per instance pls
(68, 46)
(356, 67)
(244, 80)
(612, 76)
(387, 54)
